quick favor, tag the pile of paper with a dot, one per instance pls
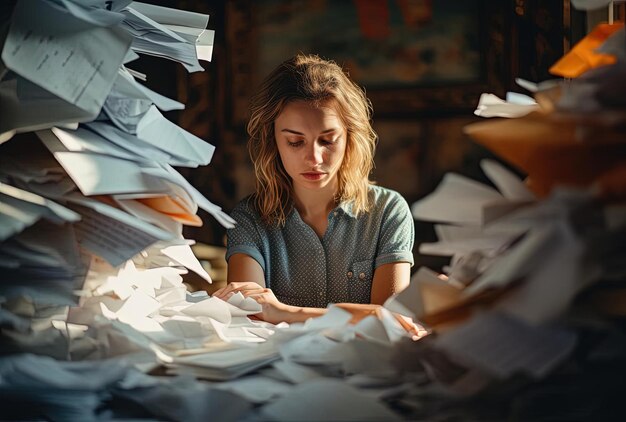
(324, 369)
(530, 302)
(91, 206)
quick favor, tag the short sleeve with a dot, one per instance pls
(397, 233)
(245, 237)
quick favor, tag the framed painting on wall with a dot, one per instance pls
(410, 55)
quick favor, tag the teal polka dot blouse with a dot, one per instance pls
(305, 270)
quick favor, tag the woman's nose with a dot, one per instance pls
(314, 155)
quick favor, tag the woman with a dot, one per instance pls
(316, 231)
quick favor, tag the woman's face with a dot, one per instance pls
(311, 143)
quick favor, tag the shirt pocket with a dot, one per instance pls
(360, 276)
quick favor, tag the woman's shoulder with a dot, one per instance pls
(381, 196)
(390, 207)
(247, 211)
(247, 207)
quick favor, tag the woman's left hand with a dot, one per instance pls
(360, 311)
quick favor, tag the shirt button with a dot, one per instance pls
(335, 213)
(362, 276)
(350, 274)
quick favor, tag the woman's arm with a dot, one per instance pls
(274, 311)
(242, 267)
(389, 279)
(245, 275)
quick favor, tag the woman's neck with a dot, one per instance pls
(311, 204)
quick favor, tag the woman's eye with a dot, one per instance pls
(294, 144)
(326, 141)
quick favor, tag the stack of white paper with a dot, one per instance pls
(30, 264)
(169, 33)
(58, 74)
(223, 365)
(188, 25)
(91, 207)
(35, 387)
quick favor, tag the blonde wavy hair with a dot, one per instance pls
(319, 82)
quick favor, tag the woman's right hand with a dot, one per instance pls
(273, 310)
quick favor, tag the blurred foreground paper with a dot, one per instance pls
(583, 55)
(516, 105)
(327, 400)
(467, 195)
(503, 346)
(549, 151)
(509, 185)
(590, 4)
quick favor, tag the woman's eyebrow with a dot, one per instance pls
(295, 132)
(292, 131)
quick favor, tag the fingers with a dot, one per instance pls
(258, 297)
(416, 330)
(262, 295)
(408, 326)
(253, 293)
(222, 293)
(231, 288)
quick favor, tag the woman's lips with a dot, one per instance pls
(313, 175)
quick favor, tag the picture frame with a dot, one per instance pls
(412, 56)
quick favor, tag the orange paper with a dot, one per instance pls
(549, 152)
(582, 56)
(174, 208)
(165, 204)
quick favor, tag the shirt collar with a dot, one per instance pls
(347, 208)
